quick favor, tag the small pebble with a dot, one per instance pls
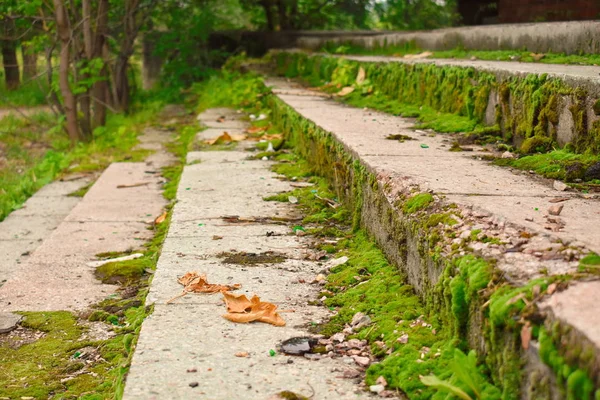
(194, 384)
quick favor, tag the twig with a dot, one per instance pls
(176, 297)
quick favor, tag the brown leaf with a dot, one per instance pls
(551, 288)
(345, 91)
(256, 129)
(526, 335)
(537, 56)
(418, 56)
(242, 310)
(225, 138)
(241, 354)
(161, 218)
(360, 78)
(197, 283)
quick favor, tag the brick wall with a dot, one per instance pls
(547, 10)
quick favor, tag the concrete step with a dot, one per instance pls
(509, 208)
(25, 229)
(107, 218)
(187, 343)
(531, 103)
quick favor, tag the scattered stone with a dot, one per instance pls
(377, 388)
(381, 381)
(9, 321)
(555, 210)
(192, 370)
(298, 346)
(403, 339)
(360, 320)
(337, 262)
(338, 337)
(351, 374)
(593, 171)
(560, 186)
(508, 154)
(362, 361)
(194, 384)
(241, 354)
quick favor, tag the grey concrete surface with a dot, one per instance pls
(55, 275)
(585, 76)
(570, 37)
(190, 332)
(459, 176)
(497, 199)
(24, 230)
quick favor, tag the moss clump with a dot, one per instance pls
(590, 263)
(123, 271)
(596, 107)
(417, 202)
(537, 144)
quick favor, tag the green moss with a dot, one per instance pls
(417, 202)
(557, 164)
(589, 263)
(123, 271)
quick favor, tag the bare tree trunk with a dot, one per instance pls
(99, 89)
(267, 6)
(29, 63)
(11, 64)
(70, 102)
(52, 96)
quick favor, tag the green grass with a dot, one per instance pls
(35, 151)
(29, 94)
(488, 55)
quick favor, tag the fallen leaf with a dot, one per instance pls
(225, 138)
(193, 282)
(221, 119)
(360, 78)
(161, 218)
(526, 335)
(242, 310)
(551, 288)
(419, 56)
(345, 91)
(241, 354)
(217, 237)
(256, 129)
(537, 56)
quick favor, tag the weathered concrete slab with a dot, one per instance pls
(191, 334)
(464, 179)
(55, 275)
(25, 229)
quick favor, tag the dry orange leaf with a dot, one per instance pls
(256, 129)
(193, 282)
(161, 218)
(225, 138)
(345, 91)
(526, 332)
(242, 310)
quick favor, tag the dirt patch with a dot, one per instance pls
(243, 258)
(20, 336)
(399, 137)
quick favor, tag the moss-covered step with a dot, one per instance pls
(536, 107)
(476, 241)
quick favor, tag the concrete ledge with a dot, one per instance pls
(530, 103)
(570, 37)
(525, 260)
